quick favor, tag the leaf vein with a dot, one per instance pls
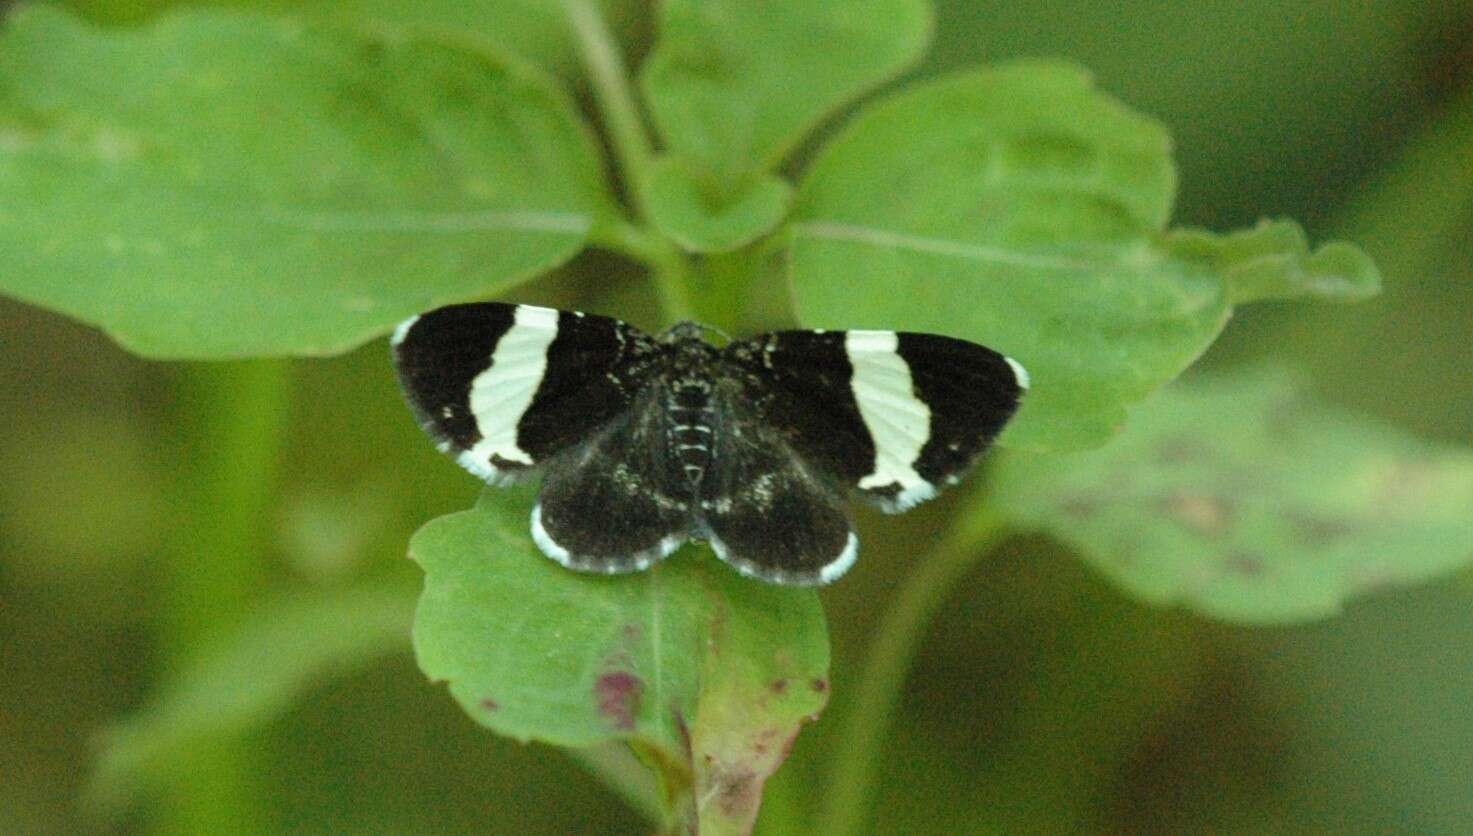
(889, 239)
(441, 222)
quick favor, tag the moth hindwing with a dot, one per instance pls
(647, 442)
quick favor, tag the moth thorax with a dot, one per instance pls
(690, 427)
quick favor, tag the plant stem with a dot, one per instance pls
(611, 90)
(672, 286)
(232, 416)
(727, 282)
(670, 269)
(631, 240)
(867, 725)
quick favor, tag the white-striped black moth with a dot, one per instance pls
(647, 442)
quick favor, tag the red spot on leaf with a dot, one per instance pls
(779, 686)
(1181, 449)
(767, 740)
(1209, 516)
(1318, 530)
(618, 698)
(737, 792)
(1080, 507)
(489, 704)
(1246, 564)
(819, 685)
(732, 783)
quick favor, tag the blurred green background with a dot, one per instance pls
(1043, 700)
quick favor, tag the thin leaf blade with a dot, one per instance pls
(249, 676)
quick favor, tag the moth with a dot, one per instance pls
(645, 442)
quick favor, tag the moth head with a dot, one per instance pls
(688, 330)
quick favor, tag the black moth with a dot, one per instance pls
(647, 442)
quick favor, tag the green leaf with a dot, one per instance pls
(698, 214)
(1022, 209)
(536, 31)
(220, 185)
(708, 673)
(734, 85)
(1241, 500)
(251, 675)
(1273, 261)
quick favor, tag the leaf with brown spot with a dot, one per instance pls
(678, 661)
(1282, 511)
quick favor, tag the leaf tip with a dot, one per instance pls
(1345, 272)
(1274, 260)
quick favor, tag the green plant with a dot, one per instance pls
(224, 185)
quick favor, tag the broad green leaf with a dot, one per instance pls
(251, 675)
(699, 215)
(220, 185)
(734, 85)
(1020, 208)
(535, 31)
(709, 673)
(1241, 500)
